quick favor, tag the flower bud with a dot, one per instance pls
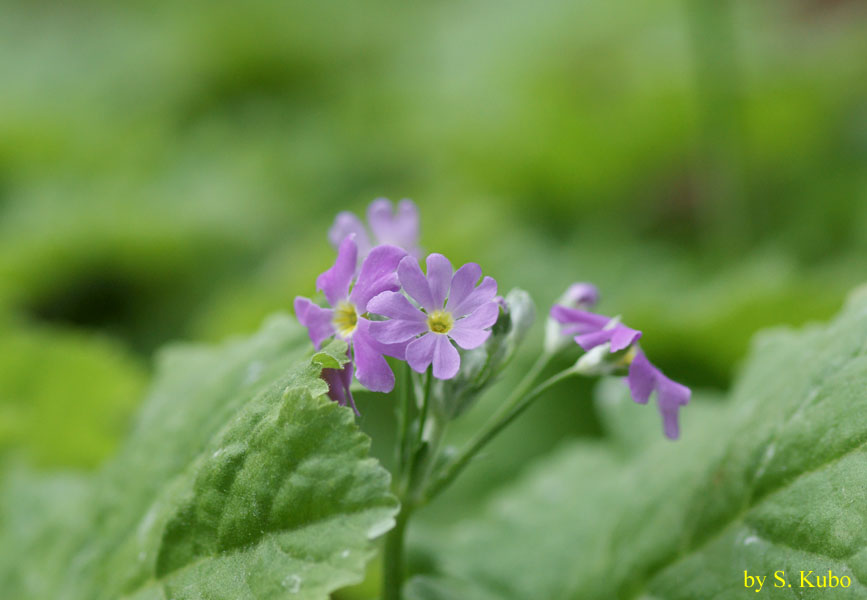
(481, 366)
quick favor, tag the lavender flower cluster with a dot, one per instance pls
(381, 303)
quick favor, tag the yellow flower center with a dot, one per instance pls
(345, 319)
(627, 358)
(440, 321)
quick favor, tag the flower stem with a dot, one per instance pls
(517, 403)
(403, 418)
(425, 403)
(393, 565)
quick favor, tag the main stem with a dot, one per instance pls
(393, 561)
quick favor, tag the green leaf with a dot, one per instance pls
(240, 479)
(773, 479)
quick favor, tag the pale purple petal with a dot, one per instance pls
(620, 337)
(623, 337)
(371, 368)
(670, 396)
(378, 274)
(463, 283)
(582, 294)
(335, 281)
(394, 305)
(420, 352)
(469, 338)
(400, 229)
(439, 277)
(338, 381)
(345, 224)
(484, 316)
(485, 292)
(397, 350)
(641, 378)
(586, 321)
(446, 360)
(395, 331)
(316, 319)
(415, 284)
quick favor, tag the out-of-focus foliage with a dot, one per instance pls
(169, 170)
(64, 397)
(241, 479)
(771, 480)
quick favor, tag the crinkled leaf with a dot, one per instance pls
(774, 478)
(240, 480)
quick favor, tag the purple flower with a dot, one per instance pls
(581, 295)
(345, 318)
(644, 378)
(592, 330)
(399, 229)
(453, 308)
(338, 381)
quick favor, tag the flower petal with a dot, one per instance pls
(582, 294)
(463, 282)
(400, 229)
(335, 281)
(469, 338)
(670, 397)
(378, 274)
(484, 316)
(394, 305)
(316, 319)
(338, 381)
(623, 337)
(439, 277)
(415, 284)
(371, 368)
(587, 320)
(446, 360)
(345, 224)
(620, 337)
(420, 352)
(485, 292)
(395, 331)
(641, 378)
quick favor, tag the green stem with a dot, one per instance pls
(403, 417)
(428, 381)
(517, 403)
(393, 566)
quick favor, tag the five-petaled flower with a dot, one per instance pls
(399, 229)
(450, 308)
(346, 318)
(591, 330)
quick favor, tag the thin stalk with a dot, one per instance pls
(514, 406)
(425, 404)
(403, 417)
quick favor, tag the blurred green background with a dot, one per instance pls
(168, 171)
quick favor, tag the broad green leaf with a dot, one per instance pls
(772, 479)
(240, 480)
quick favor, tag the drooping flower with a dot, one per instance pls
(399, 229)
(348, 306)
(644, 378)
(577, 296)
(451, 308)
(594, 332)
